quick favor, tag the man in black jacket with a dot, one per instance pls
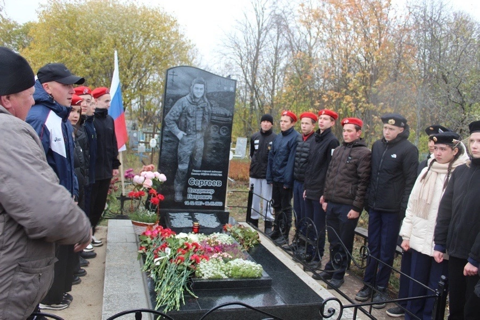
(304, 142)
(90, 147)
(457, 232)
(280, 174)
(394, 171)
(343, 198)
(107, 164)
(321, 151)
(88, 143)
(260, 145)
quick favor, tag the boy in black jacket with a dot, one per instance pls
(394, 171)
(107, 163)
(343, 198)
(260, 145)
(305, 140)
(321, 151)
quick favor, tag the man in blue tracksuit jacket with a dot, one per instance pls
(50, 121)
(281, 161)
(49, 118)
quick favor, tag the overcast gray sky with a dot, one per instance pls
(203, 21)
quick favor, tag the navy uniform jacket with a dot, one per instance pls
(458, 221)
(394, 171)
(281, 158)
(321, 152)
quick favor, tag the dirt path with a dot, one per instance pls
(88, 296)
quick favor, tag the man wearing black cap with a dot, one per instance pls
(49, 118)
(29, 227)
(260, 145)
(394, 171)
(457, 232)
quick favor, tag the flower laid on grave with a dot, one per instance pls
(223, 267)
(247, 237)
(171, 260)
(146, 183)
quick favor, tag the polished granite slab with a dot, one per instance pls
(210, 221)
(287, 298)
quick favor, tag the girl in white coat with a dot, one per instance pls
(419, 223)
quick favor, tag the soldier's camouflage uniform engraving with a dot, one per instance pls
(188, 120)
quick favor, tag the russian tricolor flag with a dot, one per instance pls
(116, 109)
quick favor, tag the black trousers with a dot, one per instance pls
(62, 280)
(340, 230)
(98, 198)
(282, 204)
(464, 303)
(87, 202)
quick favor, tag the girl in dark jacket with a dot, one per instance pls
(457, 232)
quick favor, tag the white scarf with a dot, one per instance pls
(422, 200)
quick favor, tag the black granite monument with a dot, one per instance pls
(195, 148)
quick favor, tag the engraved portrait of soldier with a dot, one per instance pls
(188, 120)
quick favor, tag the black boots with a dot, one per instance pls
(268, 227)
(254, 222)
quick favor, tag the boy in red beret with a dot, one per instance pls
(320, 154)
(281, 161)
(304, 141)
(89, 146)
(343, 198)
(107, 164)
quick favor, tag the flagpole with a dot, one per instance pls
(122, 175)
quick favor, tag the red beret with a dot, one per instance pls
(76, 100)
(82, 90)
(356, 121)
(330, 113)
(98, 92)
(310, 115)
(290, 114)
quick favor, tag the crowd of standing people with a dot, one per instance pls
(431, 208)
(59, 153)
